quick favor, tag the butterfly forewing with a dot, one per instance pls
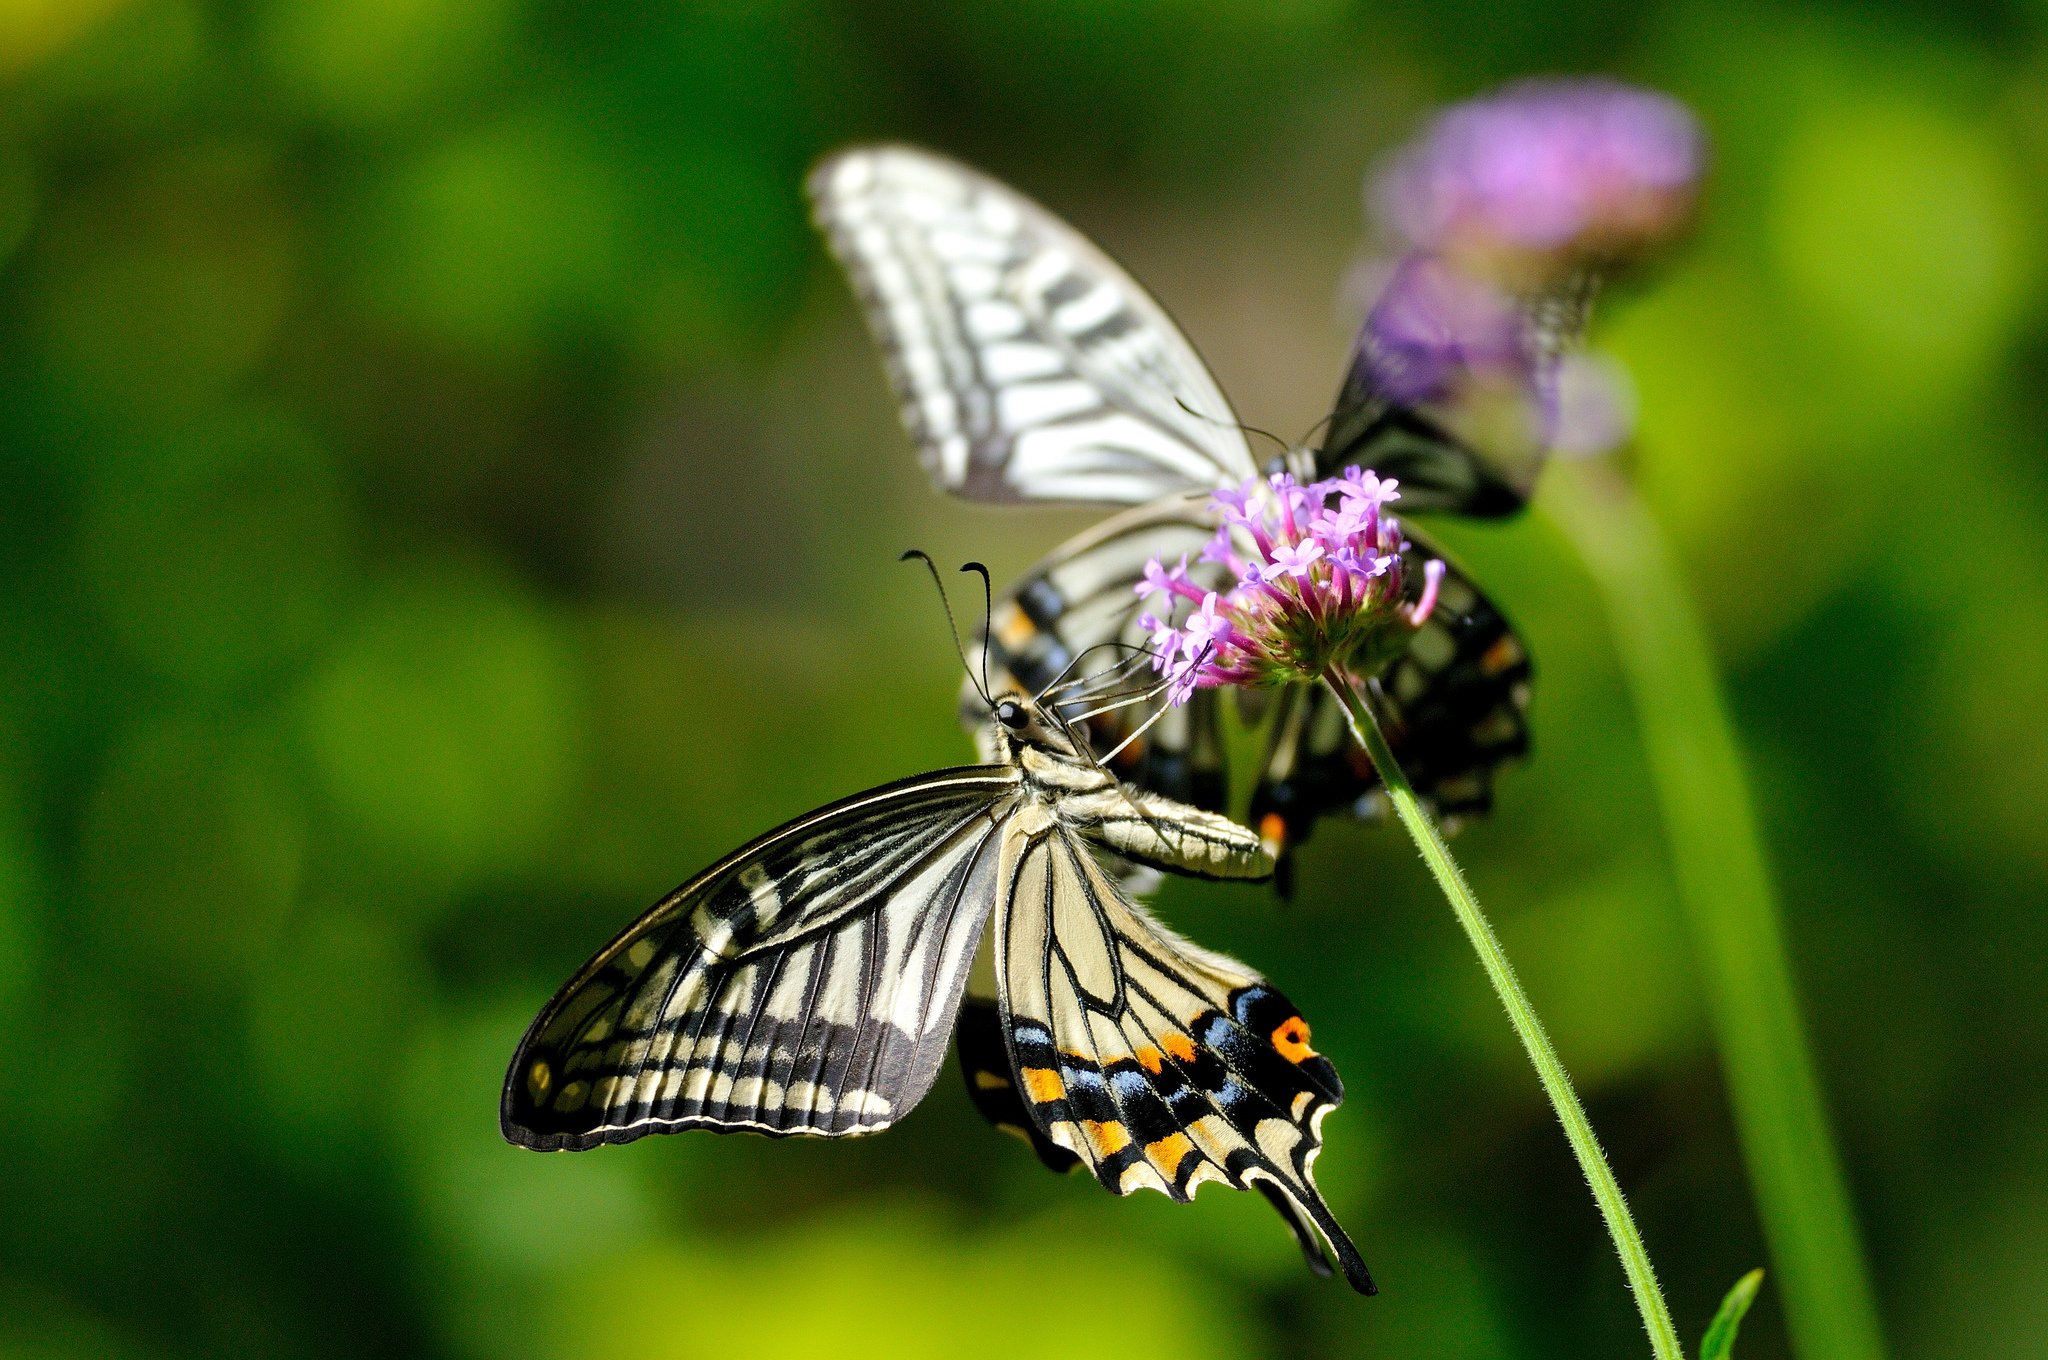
(805, 984)
(1445, 459)
(1155, 1063)
(1028, 364)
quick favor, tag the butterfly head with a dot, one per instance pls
(1019, 724)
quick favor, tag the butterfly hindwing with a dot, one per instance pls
(1156, 1063)
(1454, 704)
(1029, 366)
(982, 1043)
(805, 984)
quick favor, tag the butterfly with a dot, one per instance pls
(1030, 367)
(807, 984)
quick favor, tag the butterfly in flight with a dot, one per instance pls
(807, 984)
(1030, 367)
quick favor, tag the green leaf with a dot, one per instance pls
(1719, 1342)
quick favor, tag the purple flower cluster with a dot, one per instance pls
(1541, 178)
(1320, 581)
(1510, 208)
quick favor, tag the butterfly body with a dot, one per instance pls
(808, 983)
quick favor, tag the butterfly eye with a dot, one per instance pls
(1011, 714)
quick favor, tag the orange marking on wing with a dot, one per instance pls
(1043, 1085)
(1504, 653)
(1107, 1137)
(1169, 1152)
(1148, 1058)
(1290, 1041)
(1273, 833)
(1013, 627)
(1179, 1047)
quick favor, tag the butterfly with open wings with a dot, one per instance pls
(807, 984)
(1030, 367)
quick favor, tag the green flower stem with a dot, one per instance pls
(1635, 1260)
(1724, 886)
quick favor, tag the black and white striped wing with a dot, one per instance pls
(1060, 619)
(1455, 705)
(1029, 366)
(805, 984)
(1156, 1063)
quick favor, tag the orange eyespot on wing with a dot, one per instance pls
(1273, 833)
(1290, 1040)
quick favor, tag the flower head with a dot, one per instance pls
(1321, 581)
(1546, 177)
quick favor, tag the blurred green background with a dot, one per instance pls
(447, 497)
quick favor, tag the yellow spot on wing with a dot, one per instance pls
(1043, 1084)
(1504, 653)
(1179, 1046)
(1169, 1152)
(1148, 1058)
(1107, 1137)
(538, 1080)
(990, 1081)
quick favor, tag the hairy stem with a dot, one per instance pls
(1731, 912)
(1635, 1260)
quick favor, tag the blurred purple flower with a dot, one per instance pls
(1546, 177)
(1321, 582)
(1434, 324)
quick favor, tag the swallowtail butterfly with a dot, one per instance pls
(1030, 367)
(807, 984)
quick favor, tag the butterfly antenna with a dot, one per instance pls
(988, 621)
(1085, 684)
(1146, 725)
(1239, 426)
(1060, 682)
(1320, 426)
(951, 627)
